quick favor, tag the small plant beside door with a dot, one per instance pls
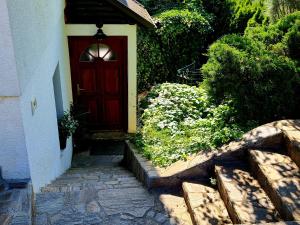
(67, 126)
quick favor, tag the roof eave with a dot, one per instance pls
(139, 19)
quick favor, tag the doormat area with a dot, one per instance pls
(107, 147)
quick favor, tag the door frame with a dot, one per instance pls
(115, 30)
(124, 84)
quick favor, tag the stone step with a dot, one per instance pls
(245, 200)
(205, 205)
(280, 177)
(292, 140)
(175, 206)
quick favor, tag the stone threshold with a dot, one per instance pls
(201, 165)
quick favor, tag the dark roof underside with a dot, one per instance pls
(107, 12)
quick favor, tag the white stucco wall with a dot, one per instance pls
(118, 30)
(13, 154)
(40, 44)
(8, 71)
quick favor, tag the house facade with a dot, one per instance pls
(49, 57)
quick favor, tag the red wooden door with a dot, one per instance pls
(99, 80)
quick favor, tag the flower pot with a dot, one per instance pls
(63, 141)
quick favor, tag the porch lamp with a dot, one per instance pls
(100, 34)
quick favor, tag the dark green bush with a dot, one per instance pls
(261, 84)
(152, 63)
(244, 12)
(180, 38)
(281, 37)
(184, 35)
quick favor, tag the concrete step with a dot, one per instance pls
(245, 200)
(292, 140)
(280, 178)
(205, 205)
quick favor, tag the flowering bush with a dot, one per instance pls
(179, 120)
(67, 125)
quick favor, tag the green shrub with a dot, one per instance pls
(244, 12)
(281, 37)
(184, 34)
(261, 84)
(179, 120)
(179, 40)
(152, 63)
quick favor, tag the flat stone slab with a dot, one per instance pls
(133, 201)
(245, 200)
(205, 205)
(107, 195)
(280, 177)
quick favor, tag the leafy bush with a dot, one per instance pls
(262, 85)
(281, 37)
(179, 40)
(179, 120)
(152, 63)
(244, 12)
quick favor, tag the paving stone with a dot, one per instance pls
(161, 218)
(245, 200)
(106, 195)
(280, 177)
(50, 203)
(93, 207)
(127, 217)
(151, 214)
(205, 205)
(134, 201)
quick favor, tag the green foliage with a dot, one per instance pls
(152, 62)
(180, 38)
(179, 120)
(244, 12)
(67, 124)
(261, 84)
(281, 37)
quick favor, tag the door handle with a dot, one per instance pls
(79, 90)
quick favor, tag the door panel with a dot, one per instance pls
(87, 80)
(111, 80)
(112, 112)
(99, 80)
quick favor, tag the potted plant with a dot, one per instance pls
(67, 126)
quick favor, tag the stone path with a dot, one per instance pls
(106, 194)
